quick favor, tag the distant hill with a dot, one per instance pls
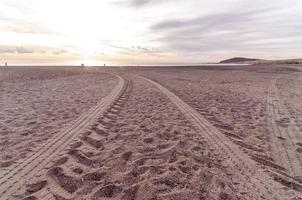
(242, 60)
(239, 60)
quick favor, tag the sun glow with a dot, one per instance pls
(87, 29)
(90, 62)
(86, 24)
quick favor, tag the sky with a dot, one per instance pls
(147, 32)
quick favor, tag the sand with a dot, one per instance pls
(242, 105)
(194, 133)
(37, 103)
(233, 101)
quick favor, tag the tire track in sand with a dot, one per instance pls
(284, 136)
(14, 178)
(252, 178)
(93, 138)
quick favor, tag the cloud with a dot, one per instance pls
(16, 17)
(22, 26)
(169, 29)
(59, 52)
(15, 49)
(31, 28)
(9, 49)
(208, 21)
(255, 29)
(139, 3)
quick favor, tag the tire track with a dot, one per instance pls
(92, 138)
(251, 177)
(54, 140)
(14, 178)
(283, 139)
(45, 194)
(134, 151)
(279, 154)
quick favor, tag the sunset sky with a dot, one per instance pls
(125, 32)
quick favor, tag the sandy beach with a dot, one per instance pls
(36, 104)
(225, 132)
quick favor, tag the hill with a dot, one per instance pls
(242, 60)
(239, 60)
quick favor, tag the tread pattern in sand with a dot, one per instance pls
(78, 165)
(149, 151)
(35, 105)
(254, 178)
(284, 135)
(35, 165)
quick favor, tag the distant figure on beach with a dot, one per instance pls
(104, 65)
(82, 65)
(5, 64)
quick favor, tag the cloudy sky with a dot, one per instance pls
(148, 31)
